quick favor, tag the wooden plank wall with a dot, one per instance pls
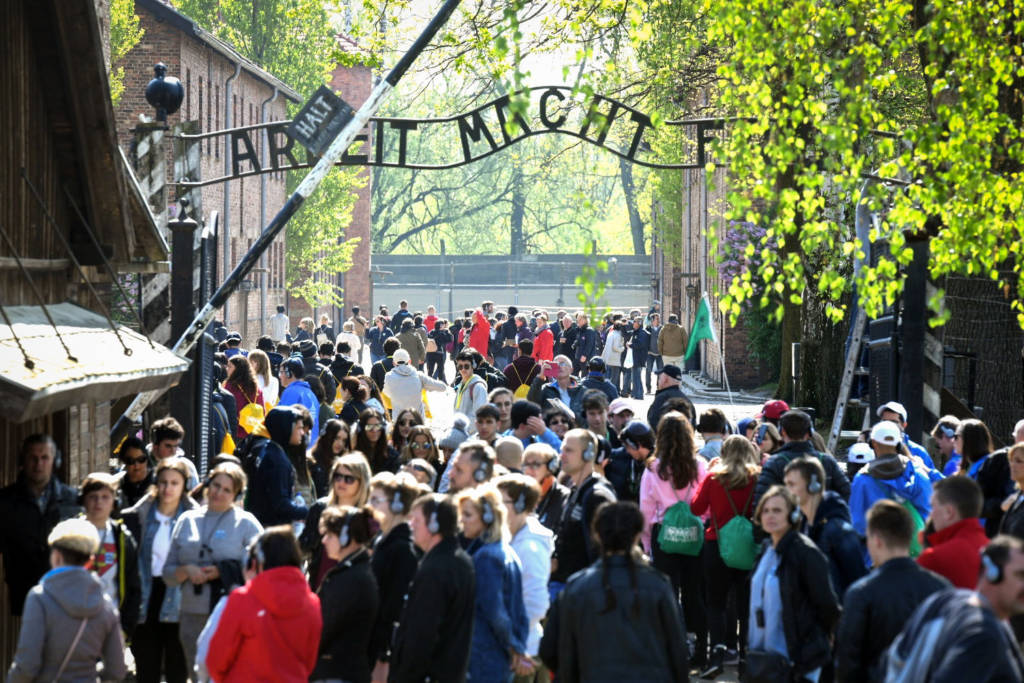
(36, 135)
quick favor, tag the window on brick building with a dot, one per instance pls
(210, 143)
(200, 118)
(188, 94)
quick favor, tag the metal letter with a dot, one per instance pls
(467, 132)
(550, 92)
(248, 155)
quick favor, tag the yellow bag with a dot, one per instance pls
(228, 444)
(338, 404)
(251, 415)
(523, 389)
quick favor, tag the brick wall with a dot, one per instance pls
(204, 73)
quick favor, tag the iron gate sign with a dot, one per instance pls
(481, 132)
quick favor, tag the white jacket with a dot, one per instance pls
(534, 543)
(614, 345)
(404, 385)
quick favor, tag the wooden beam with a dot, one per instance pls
(41, 264)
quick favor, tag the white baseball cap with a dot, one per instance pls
(887, 433)
(401, 356)
(860, 453)
(894, 407)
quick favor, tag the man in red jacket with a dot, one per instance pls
(480, 337)
(270, 627)
(958, 537)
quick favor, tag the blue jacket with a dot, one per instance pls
(500, 622)
(377, 337)
(272, 489)
(585, 344)
(834, 535)
(598, 382)
(640, 342)
(298, 393)
(888, 477)
(548, 437)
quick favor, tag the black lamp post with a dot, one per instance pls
(164, 93)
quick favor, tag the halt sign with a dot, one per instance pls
(320, 120)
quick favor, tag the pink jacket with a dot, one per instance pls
(657, 496)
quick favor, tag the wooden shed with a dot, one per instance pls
(66, 195)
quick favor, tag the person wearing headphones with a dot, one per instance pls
(533, 543)
(826, 521)
(540, 461)
(295, 390)
(270, 627)
(500, 627)
(876, 607)
(436, 627)
(29, 510)
(961, 635)
(575, 548)
(349, 598)
(626, 466)
(472, 465)
(793, 608)
(395, 557)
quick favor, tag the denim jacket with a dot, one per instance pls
(500, 623)
(145, 520)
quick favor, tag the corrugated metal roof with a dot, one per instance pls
(100, 369)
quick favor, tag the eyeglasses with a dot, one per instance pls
(417, 446)
(347, 478)
(136, 461)
(533, 464)
(373, 428)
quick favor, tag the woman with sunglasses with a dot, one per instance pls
(540, 461)
(350, 485)
(471, 389)
(559, 421)
(371, 440)
(405, 421)
(208, 550)
(395, 557)
(421, 444)
(334, 441)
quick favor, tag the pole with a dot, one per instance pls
(304, 190)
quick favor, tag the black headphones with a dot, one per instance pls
(488, 512)
(520, 503)
(396, 503)
(992, 572)
(814, 486)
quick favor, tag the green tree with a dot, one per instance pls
(125, 33)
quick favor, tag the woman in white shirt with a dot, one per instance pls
(155, 644)
(265, 380)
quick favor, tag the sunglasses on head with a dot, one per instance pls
(347, 478)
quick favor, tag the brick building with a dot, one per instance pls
(688, 267)
(222, 90)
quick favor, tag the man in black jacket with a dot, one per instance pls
(584, 344)
(342, 365)
(386, 364)
(670, 378)
(877, 606)
(795, 427)
(29, 509)
(433, 637)
(314, 367)
(575, 548)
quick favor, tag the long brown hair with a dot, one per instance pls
(241, 376)
(737, 462)
(676, 450)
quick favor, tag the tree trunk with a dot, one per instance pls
(516, 245)
(636, 224)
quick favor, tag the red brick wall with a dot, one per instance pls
(355, 85)
(204, 73)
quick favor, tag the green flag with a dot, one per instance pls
(702, 328)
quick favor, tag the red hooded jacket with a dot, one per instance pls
(269, 631)
(480, 337)
(955, 552)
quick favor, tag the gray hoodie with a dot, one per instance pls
(54, 611)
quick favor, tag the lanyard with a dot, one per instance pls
(204, 544)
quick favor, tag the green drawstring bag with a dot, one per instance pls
(682, 532)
